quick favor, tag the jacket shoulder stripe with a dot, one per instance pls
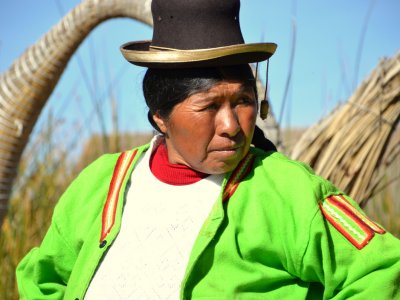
(351, 223)
(237, 176)
(121, 168)
(360, 215)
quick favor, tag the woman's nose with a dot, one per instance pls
(228, 122)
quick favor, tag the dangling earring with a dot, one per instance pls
(264, 109)
(264, 105)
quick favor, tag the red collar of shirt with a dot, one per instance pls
(173, 174)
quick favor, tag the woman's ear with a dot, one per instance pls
(160, 122)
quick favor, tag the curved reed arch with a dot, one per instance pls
(26, 86)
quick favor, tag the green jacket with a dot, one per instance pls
(280, 235)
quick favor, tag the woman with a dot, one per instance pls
(200, 213)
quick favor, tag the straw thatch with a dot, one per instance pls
(355, 144)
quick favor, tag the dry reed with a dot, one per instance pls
(356, 143)
(43, 175)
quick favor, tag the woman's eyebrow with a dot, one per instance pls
(205, 97)
(245, 89)
(209, 95)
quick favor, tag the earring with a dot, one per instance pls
(264, 109)
(264, 105)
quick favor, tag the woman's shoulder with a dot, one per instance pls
(81, 205)
(290, 176)
(106, 163)
(85, 196)
(279, 163)
(88, 192)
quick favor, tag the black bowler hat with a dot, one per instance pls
(195, 33)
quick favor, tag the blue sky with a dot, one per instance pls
(324, 73)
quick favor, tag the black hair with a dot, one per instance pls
(165, 88)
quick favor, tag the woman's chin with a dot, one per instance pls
(222, 166)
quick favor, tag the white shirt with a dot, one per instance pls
(159, 226)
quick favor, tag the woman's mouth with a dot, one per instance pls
(228, 152)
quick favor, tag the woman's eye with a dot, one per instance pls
(245, 101)
(212, 106)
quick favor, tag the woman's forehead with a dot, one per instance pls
(226, 87)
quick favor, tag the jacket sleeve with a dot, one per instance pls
(352, 257)
(45, 271)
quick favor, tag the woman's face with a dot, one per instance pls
(211, 131)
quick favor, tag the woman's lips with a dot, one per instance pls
(228, 151)
(227, 148)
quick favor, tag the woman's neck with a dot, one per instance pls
(173, 174)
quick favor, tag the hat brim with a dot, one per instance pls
(141, 54)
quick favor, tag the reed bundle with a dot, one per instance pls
(355, 145)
